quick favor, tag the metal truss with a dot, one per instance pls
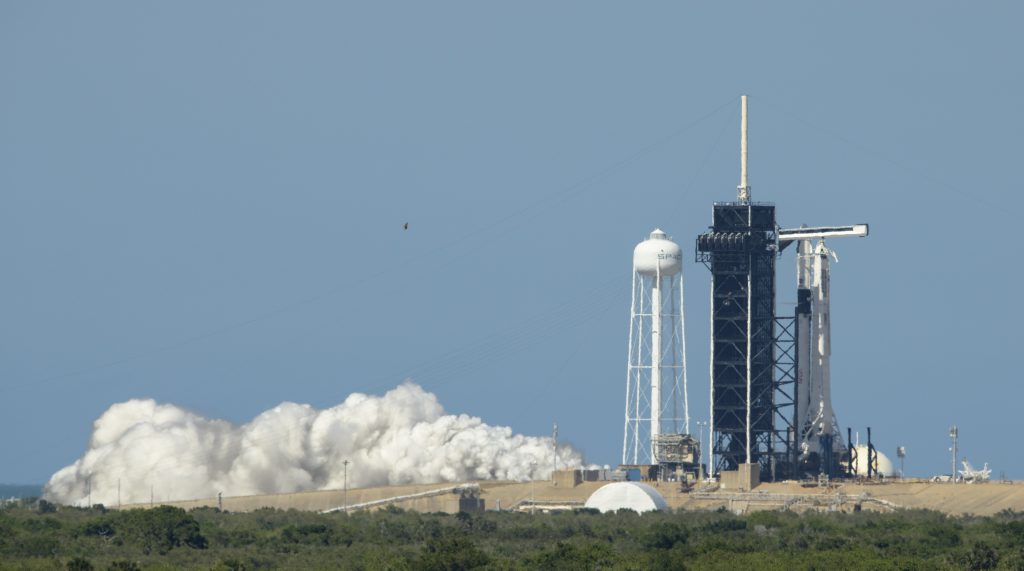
(637, 444)
(740, 251)
(784, 422)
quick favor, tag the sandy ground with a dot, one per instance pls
(977, 499)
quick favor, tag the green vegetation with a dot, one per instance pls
(37, 535)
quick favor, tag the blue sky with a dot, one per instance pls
(203, 203)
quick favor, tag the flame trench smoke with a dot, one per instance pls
(403, 437)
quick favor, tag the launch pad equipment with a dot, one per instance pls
(970, 474)
(770, 377)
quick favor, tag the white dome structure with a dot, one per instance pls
(860, 465)
(658, 255)
(626, 495)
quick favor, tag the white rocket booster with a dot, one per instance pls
(815, 417)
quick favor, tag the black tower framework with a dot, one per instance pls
(740, 250)
(784, 430)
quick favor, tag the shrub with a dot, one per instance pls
(453, 553)
(162, 529)
(981, 556)
(45, 507)
(664, 536)
(570, 556)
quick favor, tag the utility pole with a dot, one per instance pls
(953, 434)
(554, 451)
(345, 492)
(700, 450)
(533, 487)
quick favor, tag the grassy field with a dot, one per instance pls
(39, 535)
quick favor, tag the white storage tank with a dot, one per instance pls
(860, 465)
(658, 254)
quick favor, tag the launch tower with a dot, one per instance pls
(740, 251)
(770, 376)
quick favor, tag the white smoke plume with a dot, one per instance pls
(403, 437)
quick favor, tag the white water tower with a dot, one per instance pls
(656, 401)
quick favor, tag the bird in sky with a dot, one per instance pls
(406, 226)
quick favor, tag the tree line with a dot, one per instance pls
(35, 534)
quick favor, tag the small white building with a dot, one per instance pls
(626, 495)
